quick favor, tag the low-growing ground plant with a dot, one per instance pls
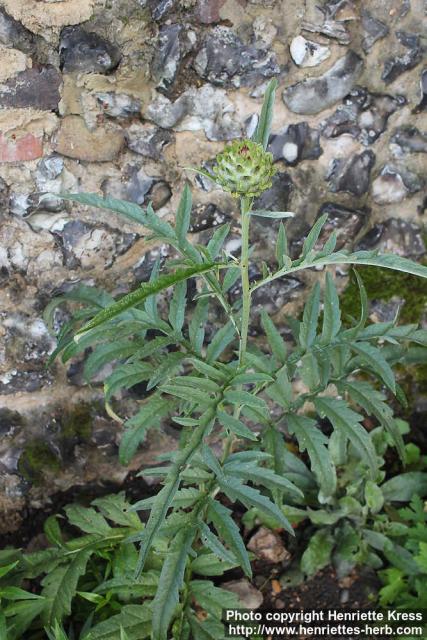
(224, 388)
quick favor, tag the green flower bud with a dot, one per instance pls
(244, 169)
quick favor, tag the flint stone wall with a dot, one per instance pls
(117, 97)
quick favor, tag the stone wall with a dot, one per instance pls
(118, 97)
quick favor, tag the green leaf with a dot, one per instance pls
(310, 318)
(388, 261)
(135, 429)
(212, 599)
(16, 593)
(208, 369)
(187, 393)
(183, 214)
(7, 568)
(331, 312)
(126, 376)
(169, 366)
(135, 619)
(214, 544)
(251, 497)
(145, 290)
(52, 531)
(209, 629)
(116, 508)
(87, 519)
(245, 398)
(23, 612)
(311, 439)
(236, 426)
(60, 586)
(401, 488)
(222, 338)
(318, 552)
(373, 496)
(313, 236)
(376, 361)
(364, 309)
(281, 245)
(177, 306)
(276, 215)
(128, 209)
(261, 475)
(227, 529)
(373, 402)
(208, 564)
(251, 378)
(117, 350)
(215, 244)
(196, 328)
(347, 421)
(170, 582)
(262, 132)
(158, 513)
(275, 340)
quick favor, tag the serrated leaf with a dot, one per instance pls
(204, 384)
(183, 215)
(22, 614)
(135, 619)
(364, 309)
(130, 210)
(281, 245)
(142, 293)
(275, 340)
(196, 328)
(310, 318)
(401, 488)
(311, 439)
(52, 531)
(251, 378)
(116, 508)
(170, 582)
(227, 529)
(214, 544)
(313, 236)
(373, 402)
(262, 132)
(187, 393)
(102, 354)
(208, 564)
(207, 369)
(135, 429)
(261, 475)
(87, 519)
(348, 422)
(376, 362)
(331, 311)
(251, 497)
(169, 366)
(222, 338)
(213, 599)
(235, 426)
(60, 585)
(177, 306)
(219, 236)
(245, 398)
(126, 376)
(373, 497)
(318, 553)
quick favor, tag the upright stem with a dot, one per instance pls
(245, 206)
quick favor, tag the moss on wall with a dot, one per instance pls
(37, 460)
(384, 284)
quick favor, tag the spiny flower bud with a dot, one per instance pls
(244, 169)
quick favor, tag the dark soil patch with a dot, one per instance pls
(34, 518)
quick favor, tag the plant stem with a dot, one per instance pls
(245, 207)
